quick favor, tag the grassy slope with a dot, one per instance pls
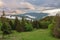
(40, 34)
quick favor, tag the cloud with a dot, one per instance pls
(19, 11)
(27, 5)
(1, 3)
(15, 3)
(18, 4)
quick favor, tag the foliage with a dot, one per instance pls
(11, 24)
(36, 24)
(44, 24)
(28, 27)
(6, 28)
(15, 23)
(23, 21)
(56, 28)
(18, 25)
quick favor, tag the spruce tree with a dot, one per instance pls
(17, 25)
(19, 28)
(11, 24)
(3, 13)
(23, 23)
(36, 24)
(6, 29)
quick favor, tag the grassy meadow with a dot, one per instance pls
(40, 34)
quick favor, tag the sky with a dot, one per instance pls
(17, 3)
(29, 4)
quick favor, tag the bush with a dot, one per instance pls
(56, 32)
(44, 24)
(56, 27)
(50, 27)
(28, 27)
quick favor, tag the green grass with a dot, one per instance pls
(40, 34)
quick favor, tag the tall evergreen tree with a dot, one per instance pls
(15, 23)
(23, 23)
(6, 29)
(36, 24)
(11, 24)
(18, 26)
(3, 13)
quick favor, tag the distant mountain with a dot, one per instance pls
(34, 16)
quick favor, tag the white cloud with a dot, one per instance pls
(17, 4)
(19, 11)
(1, 3)
(27, 5)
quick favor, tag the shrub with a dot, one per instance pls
(44, 24)
(51, 26)
(28, 27)
(56, 32)
(56, 27)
